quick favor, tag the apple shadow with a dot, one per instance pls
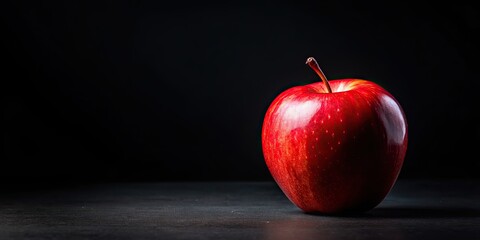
(413, 212)
(421, 212)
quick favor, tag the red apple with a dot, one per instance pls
(335, 146)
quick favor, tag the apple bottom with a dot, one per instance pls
(331, 194)
(345, 184)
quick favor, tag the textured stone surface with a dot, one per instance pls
(232, 210)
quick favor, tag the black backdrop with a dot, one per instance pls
(127, 90)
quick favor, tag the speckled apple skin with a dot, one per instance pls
(335, 152)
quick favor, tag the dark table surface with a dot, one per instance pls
(420, 209)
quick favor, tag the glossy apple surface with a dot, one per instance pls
(335, 152)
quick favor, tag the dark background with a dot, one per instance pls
(140, 90)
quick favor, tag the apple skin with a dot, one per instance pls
(335, 152)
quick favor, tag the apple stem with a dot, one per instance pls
(314, 65)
